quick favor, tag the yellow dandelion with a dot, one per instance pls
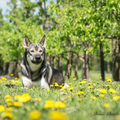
(107, 105)
(71, 88)
(55, 91)
(51, 85)
(101, 95)
(109, 80)
(7, 115)
(17, 104)
(112, 90)
(108, 86)
(70, 83)
(9, 104)
(35, 114)
(37, 99)
(74, 78)
(7, 97)
(80, 92)
(11, 74)
(67, 97)
(49, 104)
(72, 93)
(2, 108)
(9, 100)
(57, 115)
(16, 78)
(115, 98)
(9, 109)
(89, 84)
(84, 79)
(79, 100)
(94, 98)
(102, 91)
(59, 104)
(56, 84)
(90, 87)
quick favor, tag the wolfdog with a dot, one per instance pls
(34, 69)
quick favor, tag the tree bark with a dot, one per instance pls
(102, 62)
(61, 64)
(86, 70)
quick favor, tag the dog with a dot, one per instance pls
(34, 69)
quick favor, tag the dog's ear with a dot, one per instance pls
(43, 41)
(26, 42)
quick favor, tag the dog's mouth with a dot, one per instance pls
(36, 62)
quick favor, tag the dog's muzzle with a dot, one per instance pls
(37, 59)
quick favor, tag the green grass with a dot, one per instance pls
(78, 107)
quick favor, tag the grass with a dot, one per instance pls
(90, 103)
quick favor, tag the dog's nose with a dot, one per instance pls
(37, 57)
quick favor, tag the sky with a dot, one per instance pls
(3, 5)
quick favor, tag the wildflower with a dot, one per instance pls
(82, 82)
(70, 88)
(17, 104)
(74, 78)
(55, 91)
(35, 114)
(101, 95)
(56, 84)
(108, 86)
(102, 91)
(7, 96)
(107, 105)
(57, 115)
(80, 92)
(70, 83)
(9, 104)
(94, 98)
(90, 87)
(9, 109)
(37, 99)
(84, 79)
(2, 108)
(11, 74)
(109, 80)
(59, 104)
(9, 100)
(115, 98)
(112, 90)
(24, 98)
(79, 100)
(72, 93)
(89, 84)
(7, 115)
(49, 104)
(16, 78)
(67, 97)
(51, 85)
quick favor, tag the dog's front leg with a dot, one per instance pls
(26, 82)
(44, 84)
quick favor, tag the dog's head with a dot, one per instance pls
(35, 51)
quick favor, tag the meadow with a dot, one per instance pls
(83, 100)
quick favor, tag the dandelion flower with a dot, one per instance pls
(9, 109)
(101, 95)
(80, 92)
(2, 108)
(107, 105)
(115, 98)
(74, 78)
(59, 104)
(17, 104)
(70, 88)
(35, 114)
(94, 98)
(102, 91)
(112, 90)
(7, 115)
(37, 99)
(57, 115)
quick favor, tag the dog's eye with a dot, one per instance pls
(32, 51)
(40, 51)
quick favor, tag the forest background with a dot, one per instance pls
(82, 35)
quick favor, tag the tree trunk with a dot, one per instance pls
(116, 59)
(86, 70)
(6, 68)
(52, 61)
(61, 64)
(102, 62)
(108, 66)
